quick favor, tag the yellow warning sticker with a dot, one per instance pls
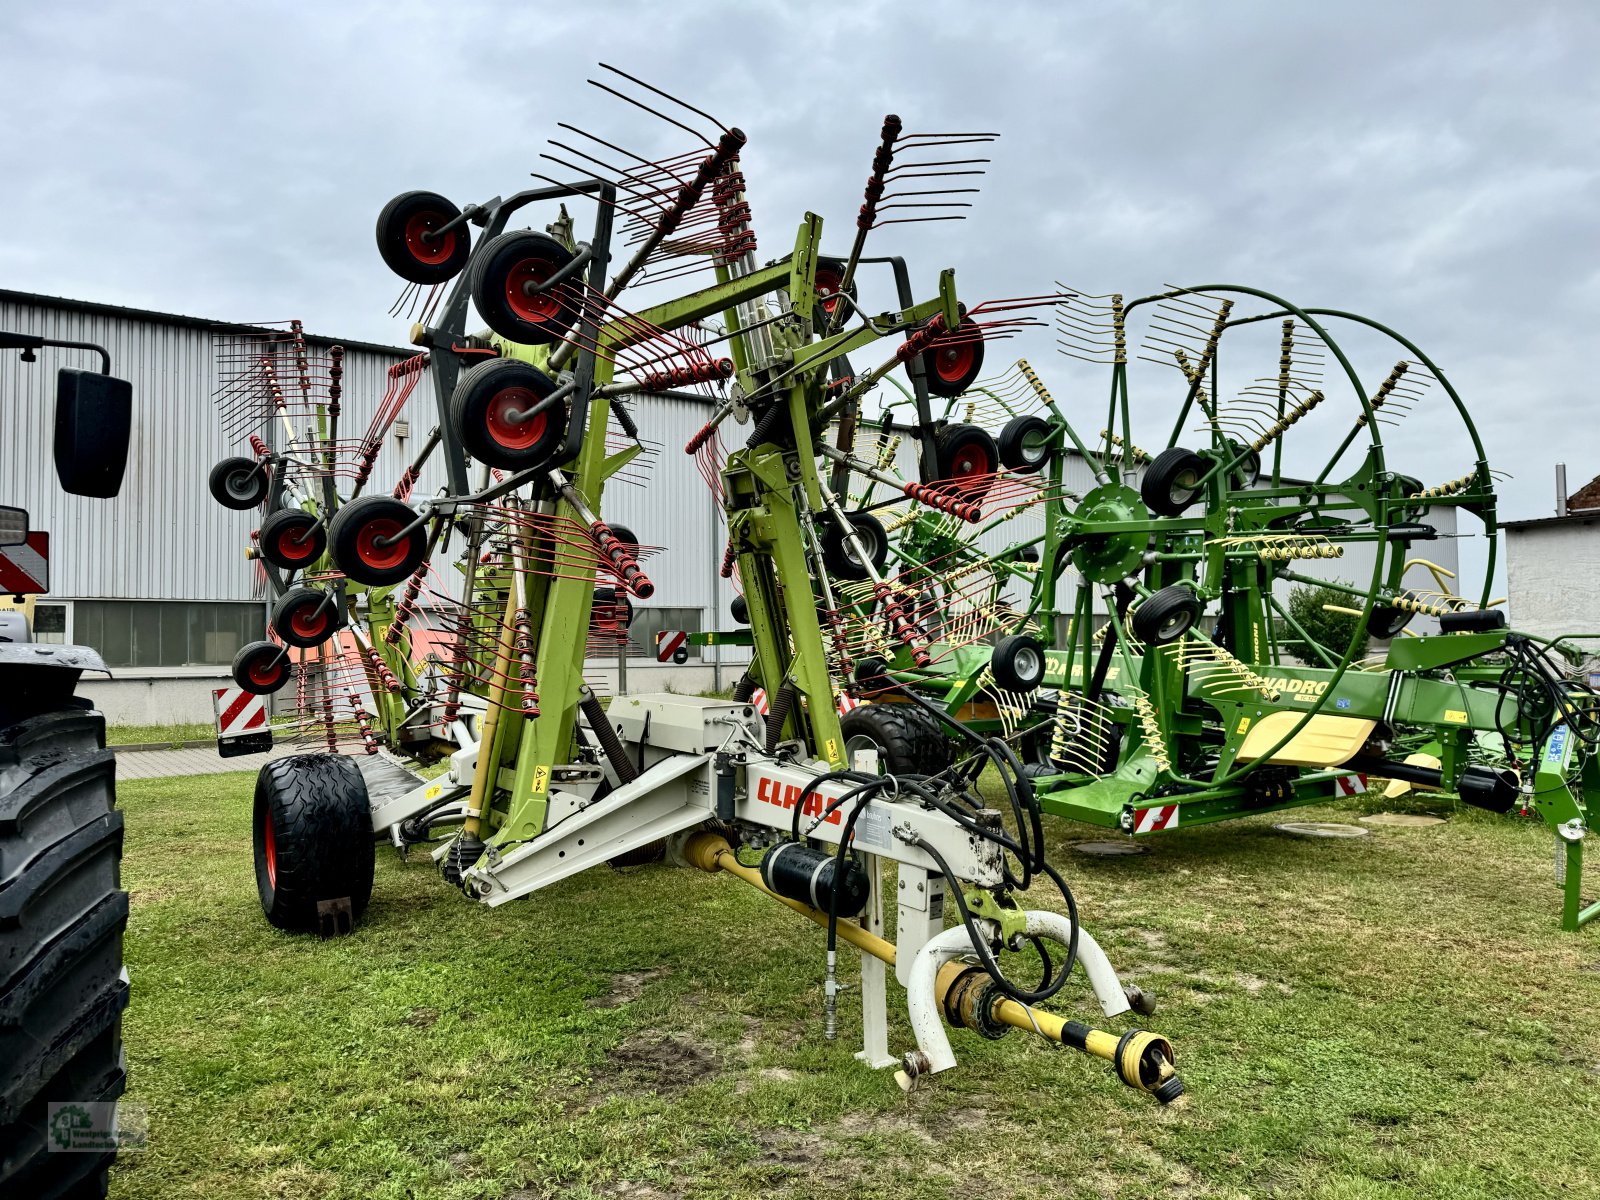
(833, 751)
(433, 792)
(1244, 723)
(1455, 715)
(541, 779)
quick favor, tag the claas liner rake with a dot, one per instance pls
(455, 626)
(1171, 685)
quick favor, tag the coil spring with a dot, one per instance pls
(778, 713)
(523, 641)
(616, 753)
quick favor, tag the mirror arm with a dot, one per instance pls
(27, 343)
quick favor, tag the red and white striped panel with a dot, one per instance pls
(239, 712)
(669, 642)
(758, 698)
(1154, 820)
(1351, 785)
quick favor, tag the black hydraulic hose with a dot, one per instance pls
(616, 753)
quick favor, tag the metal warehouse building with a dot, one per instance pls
(157, 579)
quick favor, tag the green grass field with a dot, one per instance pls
(1392, 1016)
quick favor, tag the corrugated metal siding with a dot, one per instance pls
(163, 538)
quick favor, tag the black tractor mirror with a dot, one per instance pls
(94, 419)
(13, 526)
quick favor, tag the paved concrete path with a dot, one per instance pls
(161, 764)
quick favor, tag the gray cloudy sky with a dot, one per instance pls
(1432, 165)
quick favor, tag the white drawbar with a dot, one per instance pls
(928, 1025)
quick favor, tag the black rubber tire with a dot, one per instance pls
(1248, 472)
(1166, 616)
(261, 668)
(954, 362)
(1017, 663)
(837, 556)
(320, 847)
(967, 457)
(238, 483)
(292, 540)
(1385, 621)
(62, 918)
(1021, 444)
(487, 396)
(295, 626)
(740, 609)
(626, 536)
(400, 226)
(910, 741)
(1166, 487)
(357, 527)
(519, 257)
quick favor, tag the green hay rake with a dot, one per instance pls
(481, 662)
(1178, 688)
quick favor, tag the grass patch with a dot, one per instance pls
(1391, 1016)
(167, 735)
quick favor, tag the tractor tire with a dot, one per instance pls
(62, 917)
(909, 740)
(314, 850)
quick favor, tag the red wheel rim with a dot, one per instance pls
(539, 307)
(504, 406)
(381, 557)
(827, 290)
(296, 543)
(269, 846)
(970, 462)
(434, 251)
(954, 361)
(309, 620)
(263, 671)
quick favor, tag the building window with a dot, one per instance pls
(647, 622)
(50, 623)
(161, 633)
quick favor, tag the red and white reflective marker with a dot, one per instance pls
(758, 700)
(1351, 785)
(239, 712)
(25, 569)
(669, 642)
(1154, 820)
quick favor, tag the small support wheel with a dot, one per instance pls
(740, 609)
(1017, 663)
(313, 843)
(1024, 444)
(292, 539)
(411, 244)
(967, 457)
(489, 413)
(954, 360)
(1172, 481)
(238, 483)
(373, 542)
(840, 558)
(505, 277)
(261, 668)
(306, 617)
(1166, 616)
